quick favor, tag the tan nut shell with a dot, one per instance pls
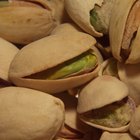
(117, 26)
(130, 74)
(23, 25)
(135, 123)
(29, 114)
(7, 54)
(79, 11)
(100, 92)
(116, 136)
(47, 53)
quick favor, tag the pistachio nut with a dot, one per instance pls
(92, 16)
(104, 104)
(125, 31)
(130, 75)
(7, 54)
(109, 67)
(115, 136)
(25, 114)
(135, 123)
(25, 21)
(55, 63)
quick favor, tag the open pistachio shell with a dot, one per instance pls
(48, 53)
(101, 92)
(124, 30)
(25, 24)
(116, 136)
(130, 74)
(29, 114)
(135, 123)
(109, 67)
(79, 11)
(7, 54)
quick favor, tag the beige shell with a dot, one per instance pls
(65, 28)
(47, 53)
(130, 74)
(116, 136)
(79, 11)
(98, 95)
(135, 123)
(29, 114)
(7, 54)
(117, 27)
(107, 69)
(24, 24)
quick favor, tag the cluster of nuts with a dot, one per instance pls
(70, 69)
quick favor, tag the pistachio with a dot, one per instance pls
(23, 23)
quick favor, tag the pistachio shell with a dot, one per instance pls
(7, 54)
(29, 114)
(118, 21)
(40, 53)
(96, 94)
(109, 67)
(116, 136)
(130, 74)
(23, 25)
(135, 123)
(134, 56)
(79, 11)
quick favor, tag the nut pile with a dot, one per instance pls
(70, 69)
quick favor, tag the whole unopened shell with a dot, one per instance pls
(29, 114)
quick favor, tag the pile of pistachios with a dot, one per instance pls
(70, 69)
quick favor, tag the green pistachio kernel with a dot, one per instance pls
(76, 66)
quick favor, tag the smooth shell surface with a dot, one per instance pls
(117, 25)
(22, 25)
(135, 123)
(7, 54)
(129, 74)
(79, 11)
(29, 114)
(100, 92)
(116, 136)
(43, 54)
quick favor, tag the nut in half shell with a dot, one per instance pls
(92, 16)
(55, 63)
(24, 21)
(104, 104)
(29, 114)
(125, 31)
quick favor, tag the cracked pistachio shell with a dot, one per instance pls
(29, 114)
(96, 95)
(7, 54)
(47, 53)
(25, 24)
(130, 74)
(116, 136)
(118, 22)
(79, 11)
(109, 67)
(135, 123)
